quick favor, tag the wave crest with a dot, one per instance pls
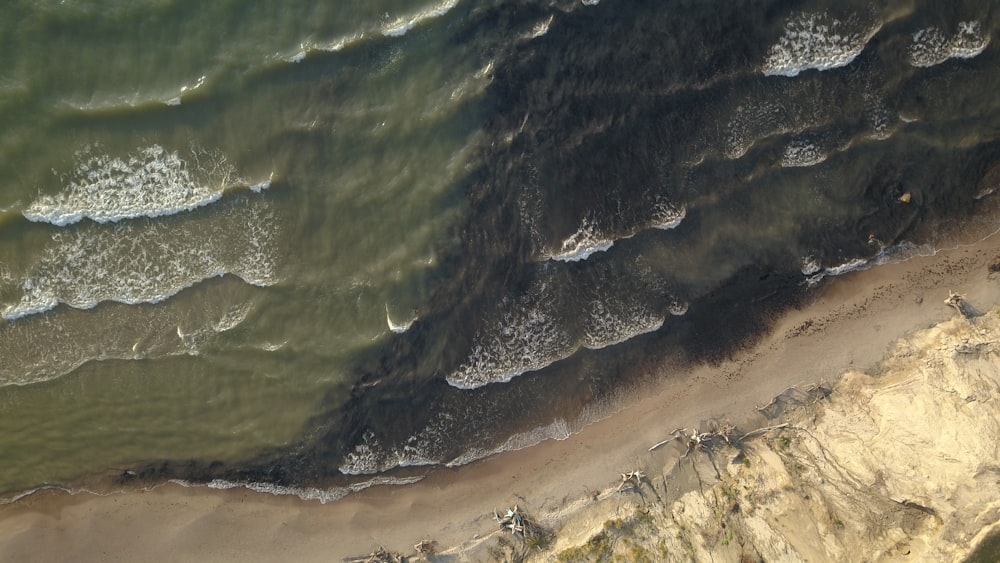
(148, 183)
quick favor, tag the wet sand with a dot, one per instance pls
(849, 323)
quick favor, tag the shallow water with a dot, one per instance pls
(309, 242)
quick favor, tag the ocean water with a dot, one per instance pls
(309, 247)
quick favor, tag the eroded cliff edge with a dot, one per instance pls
(898, 465)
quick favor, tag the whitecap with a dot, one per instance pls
(930, 46)
(529, 336)
(540, 28)
(151, 182)
(889, 255)
(305, 493)
(582, 244)
(802, 153)
(667, 217)
(400, 26)
(395, 327)
(145, 262)
(559, 429)
(615, 319)
(817, 41)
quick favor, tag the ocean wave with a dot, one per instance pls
(400, 26)
(305, 493)
(529, 336)
(395, 327)
(931, 46)
(540, 28)
(560, 429)
(667, 216)
(176, 100)
(71, 342)
(615, 320)
(749, 123)
(532, 332)
(372, 457)
(586, 241)
(817, 41)
(145, 262)
(802, 153)
(589, 238)
(149, 183)
(901, 252)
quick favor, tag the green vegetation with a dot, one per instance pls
(618, 540)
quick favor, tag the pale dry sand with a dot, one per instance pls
(851, 324)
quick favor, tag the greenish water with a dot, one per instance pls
(121, 343)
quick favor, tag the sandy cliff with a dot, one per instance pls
(899, 465)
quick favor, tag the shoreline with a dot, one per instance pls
(850, 323)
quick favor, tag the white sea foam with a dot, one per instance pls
(750, 122)
(817, 41)
(888, 255)
(70, 340)
(146, 262)
(527, 337)
(667, 216)
(540, 28)
(617, 319)
(560, 429)
(530, 332)
(589, 239)
(810, 265)
(931, 46)
(307, 493)
(151, 182)
(584, 242)
(400, 26)
(802, 153)
(398, 328)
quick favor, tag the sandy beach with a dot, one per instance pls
(850, 324)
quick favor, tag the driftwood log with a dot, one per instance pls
(631, 480)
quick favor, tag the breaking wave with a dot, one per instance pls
(400, 26)
(145, 262)
(590, 239)
(70, 340)
(818, 41)
(901, 252)
(306, 493)
(149, 183)
(544, 325)
(932, 46)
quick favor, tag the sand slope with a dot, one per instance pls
(901, 466)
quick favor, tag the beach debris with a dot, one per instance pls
(675, 434)
(700, 440)
(994, 266)
(383, 555)
(517, 522)
(426, 547)
(958, 302)
(631, 480)
(514, 521)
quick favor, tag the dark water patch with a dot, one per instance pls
(616, 109)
